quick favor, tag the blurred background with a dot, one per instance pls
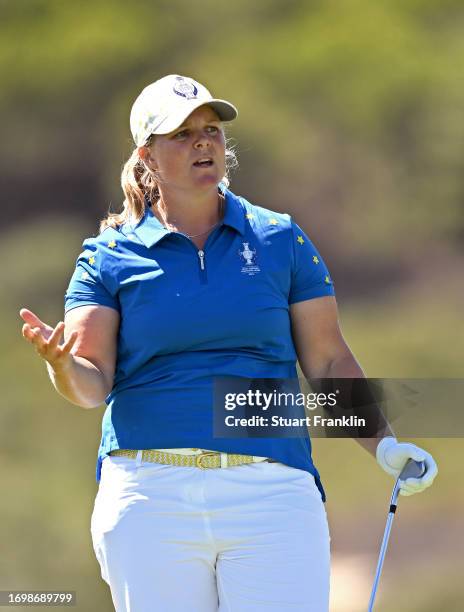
(351, 119)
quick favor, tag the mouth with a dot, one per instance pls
(203, 162)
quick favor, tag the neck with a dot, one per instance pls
(189, 214)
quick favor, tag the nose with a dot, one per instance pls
(202, 141)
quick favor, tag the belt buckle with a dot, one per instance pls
(198, 459)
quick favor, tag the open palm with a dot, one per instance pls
(47, 339)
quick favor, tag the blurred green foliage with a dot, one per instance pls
(350, 119)
(356, 106)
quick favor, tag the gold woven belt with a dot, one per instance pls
(206, 459)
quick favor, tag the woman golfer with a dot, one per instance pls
(187, 284)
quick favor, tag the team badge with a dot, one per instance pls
(248, 256)
(185, 88)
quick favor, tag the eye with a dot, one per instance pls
(181, 135)
(212, 129)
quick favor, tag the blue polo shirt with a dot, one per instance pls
(188, 316)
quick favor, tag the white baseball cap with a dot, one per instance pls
(165, 104)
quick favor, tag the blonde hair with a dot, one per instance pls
(139, 184)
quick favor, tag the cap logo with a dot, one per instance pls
(185, 88)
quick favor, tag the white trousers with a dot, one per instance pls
(251, 538)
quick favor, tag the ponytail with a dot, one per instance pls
(139, 184)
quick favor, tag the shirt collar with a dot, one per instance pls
(150, 230)
(235, 212)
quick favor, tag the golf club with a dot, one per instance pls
(412, 469)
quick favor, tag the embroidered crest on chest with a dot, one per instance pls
(248, 256)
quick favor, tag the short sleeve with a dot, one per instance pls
(310, 276)
(87, 287)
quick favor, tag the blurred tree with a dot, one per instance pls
(350, 112)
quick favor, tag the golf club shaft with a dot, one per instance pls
(383, 550)
(412, 469)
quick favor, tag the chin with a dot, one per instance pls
(210, 180)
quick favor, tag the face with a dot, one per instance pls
(193, 155)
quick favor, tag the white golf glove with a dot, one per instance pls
(392, 456)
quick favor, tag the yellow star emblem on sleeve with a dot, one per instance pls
(273, 221)
(316, 259)
(112, 244)
(300, 239)
(327, 280)
(91, 260)
(249, 216)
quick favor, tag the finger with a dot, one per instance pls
(55, 336)
(37, 338)
(431, 468)
(27, 331)
(414, 484)
(67, 346)
(407, 493)
(427, 480)
(29, 317)
(413, 488)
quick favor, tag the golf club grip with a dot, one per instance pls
(412, 469)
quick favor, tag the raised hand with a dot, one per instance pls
(47, 340)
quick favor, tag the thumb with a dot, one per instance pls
(406, 451)
(397, 456)
(32, 319)
(417, 454)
